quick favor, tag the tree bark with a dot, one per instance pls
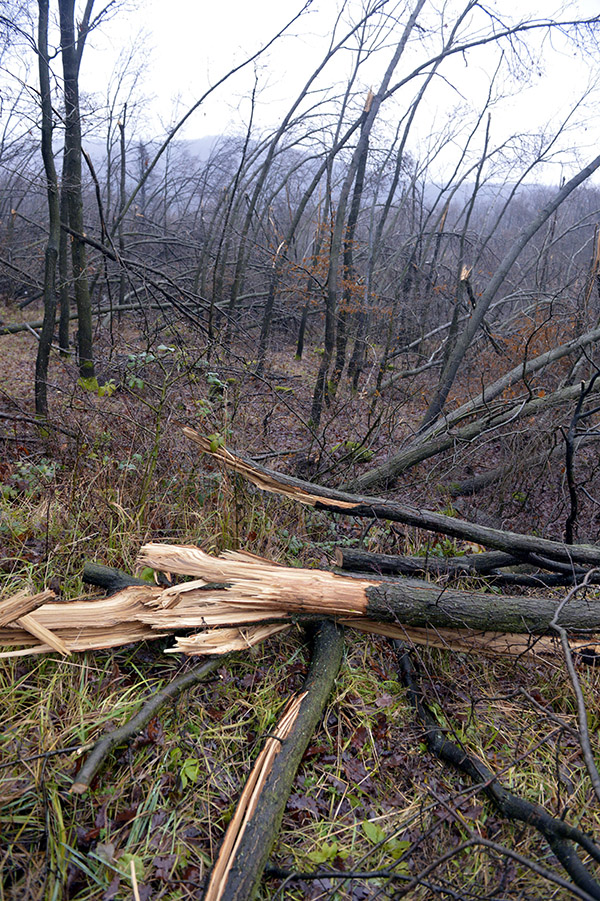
(108, 577)
(71, 55)
(51, 253)
(245, 864)
(391, 564)
(414, 603)
(522, 546)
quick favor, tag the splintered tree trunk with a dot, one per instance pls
(256, 590)
(525, 547)
(255, 824)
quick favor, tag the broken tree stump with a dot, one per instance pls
(256, 821)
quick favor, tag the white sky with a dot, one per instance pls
(185, 46)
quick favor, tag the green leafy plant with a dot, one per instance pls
(32, 476)
(189, 772)
(354, 450)
(323, 853)
(91, 384)
(374, 832)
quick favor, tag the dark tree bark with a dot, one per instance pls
(51, 254)
(348, 260)
(472, 564)
(333, 275)
(63, 271)
(414, 603)
(252, 850)
(71, 54)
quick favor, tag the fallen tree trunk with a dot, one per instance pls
(257, 590)
(524, 369)
(425, 448)
(354, 560)
(237, 600)
(487, 564)
(28, 326)
(255, 824)
(525, 547)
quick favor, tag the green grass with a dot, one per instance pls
(368, 795)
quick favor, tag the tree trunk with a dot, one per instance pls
(368, 119)
(51, 254)
(71, 55)
(63, 271)
(464, 340)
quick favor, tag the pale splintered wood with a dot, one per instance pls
(239, 599)
(83, 624)
(22, 603)
(262, 480)
(466, 641)
(225, 641)
(88, 639)
(31, 625)
(249, 799)
(257, 583)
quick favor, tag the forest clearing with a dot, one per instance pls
(299, 474)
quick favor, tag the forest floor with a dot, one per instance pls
(114, 471)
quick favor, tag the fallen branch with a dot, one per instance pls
(38, 323)
(114, 580)
(321, 498)
(560, 835)
(582, 714)
(495, 416)
(257, 818)
(108, 577)
(355, 560)
(134, 726)
(487, 564)
(237, 600)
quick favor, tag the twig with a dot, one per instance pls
(584, 735)
(130, 729)
(557, 833)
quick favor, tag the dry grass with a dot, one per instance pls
(368, 796)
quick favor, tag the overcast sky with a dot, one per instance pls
(184, 46)
(189, 44)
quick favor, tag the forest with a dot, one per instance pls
(299, 472)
